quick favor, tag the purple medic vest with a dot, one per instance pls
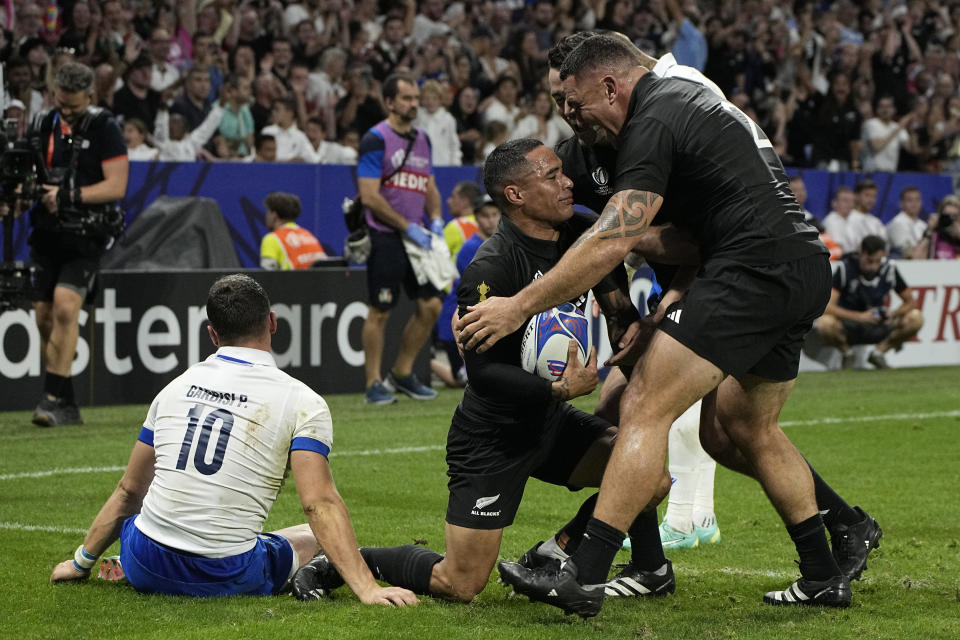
(406, 191)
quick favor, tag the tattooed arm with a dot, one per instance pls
(623, 222)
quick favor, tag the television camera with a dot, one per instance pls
(21, 178)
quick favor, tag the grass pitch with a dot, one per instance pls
(887, 441)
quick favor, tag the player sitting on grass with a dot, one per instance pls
(208, 465)
(512, 425)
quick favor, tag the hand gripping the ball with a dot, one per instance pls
(577, 379)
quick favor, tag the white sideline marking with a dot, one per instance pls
(19, 526)
(889, 416)
(75, 470)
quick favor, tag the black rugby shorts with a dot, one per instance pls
(388, 269)
(748, 319)
(59, 262)
(489, 466)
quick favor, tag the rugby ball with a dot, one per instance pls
(543, 350)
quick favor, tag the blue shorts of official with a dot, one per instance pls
(155, 568)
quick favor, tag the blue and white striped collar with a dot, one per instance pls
(244, 356)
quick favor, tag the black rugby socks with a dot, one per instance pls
(816, 561)
(646, 550)
(829, 501)
(60, 387)
(595, 555)
(575, 528)
(408, 566)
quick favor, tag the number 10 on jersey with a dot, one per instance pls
(200, 455)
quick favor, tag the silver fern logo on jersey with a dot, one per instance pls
(600, 176)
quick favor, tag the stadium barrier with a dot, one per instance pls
(147, 327)
(240, 188)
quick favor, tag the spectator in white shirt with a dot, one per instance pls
(503, 105)
(163, 75)
(544, 123)
(326, 152)
(835, 223)
(292, 143)
(176, 143)
(862, 222)
(325, 87)
(906, 230)
(135, 135)
(439, 125)
(883, 137)
(429, 21)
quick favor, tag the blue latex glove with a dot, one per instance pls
(436, 226)
(419, 235)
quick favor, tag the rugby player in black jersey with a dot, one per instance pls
(512, 425)
(853, 533)
(692, 159)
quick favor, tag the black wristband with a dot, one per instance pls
(76, 196)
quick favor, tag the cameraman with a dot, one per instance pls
(86, 161)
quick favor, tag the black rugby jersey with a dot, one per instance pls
(591, 170)
(858, 293)
(716, 170)
(499, 391)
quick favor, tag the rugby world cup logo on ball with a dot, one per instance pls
(546, 340)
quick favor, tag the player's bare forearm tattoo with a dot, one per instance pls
(625, 216)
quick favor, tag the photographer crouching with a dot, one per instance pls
(74, 222)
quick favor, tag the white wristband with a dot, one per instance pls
(83, 561)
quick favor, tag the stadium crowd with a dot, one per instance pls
(868, 85)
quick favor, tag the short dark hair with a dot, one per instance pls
(232, 80)
(471, 191)
(559, 52)
(73, 77)
(598, 51)
(565, 46)
(200, 34)
(287, 103)
(871, 244)
(503, 164)
(285, 205)
(261, 138)
(16, 62)
(237, 308)
(884, 96)
(505, 78)
(391, 86)
(842, 189)
(864, 185)
(195, 69)
(317, 120)
(137, 124)
(907, 190)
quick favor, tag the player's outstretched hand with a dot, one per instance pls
(577, 379)
(391, 596)
(633, 343)
(65, 571)
(485, 323)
